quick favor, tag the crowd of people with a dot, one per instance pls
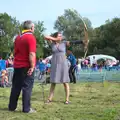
(78, 65)
(97, 65)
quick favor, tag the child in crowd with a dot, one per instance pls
(4, 79)
(42, 68)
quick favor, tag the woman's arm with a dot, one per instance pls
(52, 38)
(68, 43)
(76, 42)
(46, 38)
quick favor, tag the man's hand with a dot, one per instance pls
(32, 57)
(30, 71)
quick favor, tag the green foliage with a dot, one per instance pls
(106, 38)
(70, 23)
(39, 30)
(10, 26)
(72, 27)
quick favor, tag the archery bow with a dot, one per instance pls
(85, 38)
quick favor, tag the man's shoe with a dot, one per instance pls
(32, 111)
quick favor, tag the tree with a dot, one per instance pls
(72, 27)
(39, 30)
(70, 23)
(12, 27)
(106, 38)
(9, 25)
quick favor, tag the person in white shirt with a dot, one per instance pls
(94, 64)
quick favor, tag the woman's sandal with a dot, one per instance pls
(48, 101)
(67, 102)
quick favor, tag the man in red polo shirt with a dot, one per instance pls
(24, 64)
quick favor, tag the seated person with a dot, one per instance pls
(10, 61)
(4, 79)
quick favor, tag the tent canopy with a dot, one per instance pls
(97, 57)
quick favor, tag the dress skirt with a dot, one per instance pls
(59, 69)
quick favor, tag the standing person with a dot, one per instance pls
(59, 65)
(42, 68)
(73, 61)
(24, 64)
(94, 64)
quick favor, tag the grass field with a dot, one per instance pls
(89, 101)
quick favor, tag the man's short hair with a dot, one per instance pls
(27, 25)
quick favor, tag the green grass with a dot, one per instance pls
(89, 101)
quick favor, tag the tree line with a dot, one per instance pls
(103, 40)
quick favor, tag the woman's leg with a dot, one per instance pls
(52, 88)
(67, 90)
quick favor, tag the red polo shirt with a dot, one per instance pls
(23, 45)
